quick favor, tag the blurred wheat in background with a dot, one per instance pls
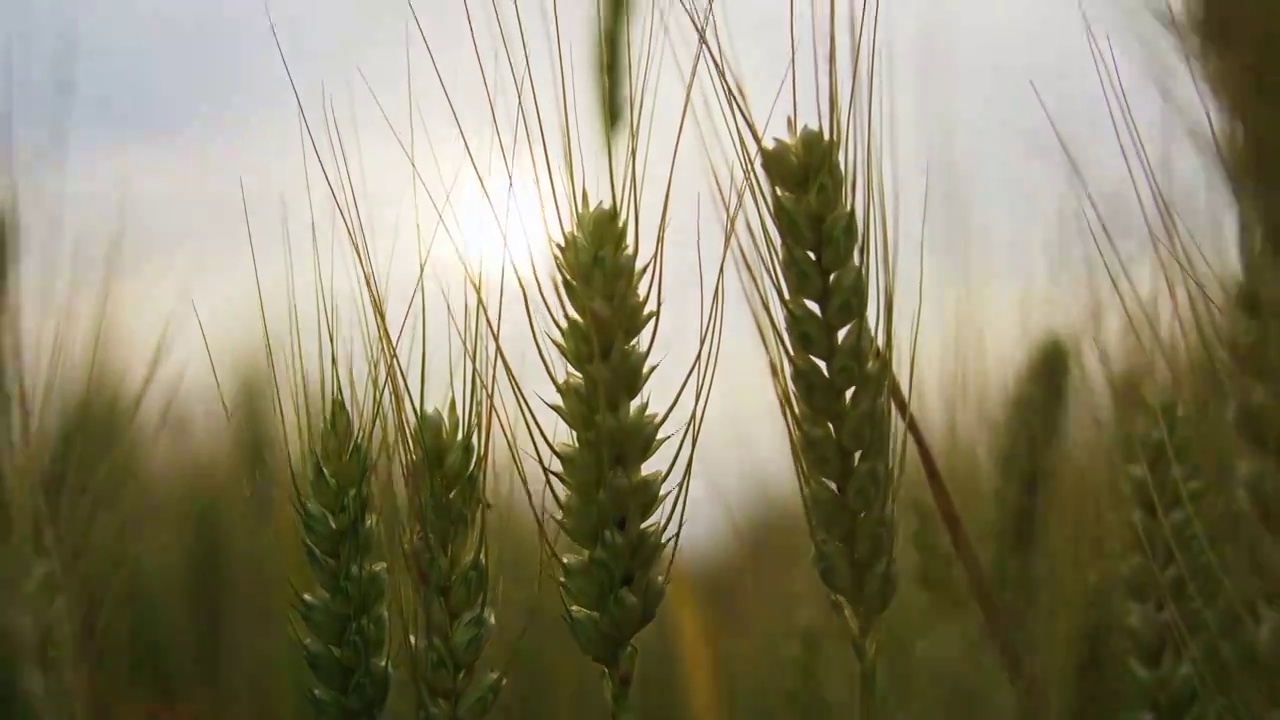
(451, 450)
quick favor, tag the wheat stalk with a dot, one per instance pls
(344, 617)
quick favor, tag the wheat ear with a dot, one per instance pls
(611, 46)
(840, 382)
(37, 590)
(345, 618)
(1184, 635)
(1237, 43)
(448, 557)
(1028, 440)
(607, 503)
(1164, 675)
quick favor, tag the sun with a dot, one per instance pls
(501, 222)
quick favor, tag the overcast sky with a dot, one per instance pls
(137, 121)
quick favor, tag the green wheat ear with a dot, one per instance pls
(607, 503)
(35, 658)
(612, 48)
(1237, 42)
(1255, 347)
(1184, 635)
(1029, 438)
(840, 382)
(1163, 675)
(41, 656)
(448, 557)
(345, 618)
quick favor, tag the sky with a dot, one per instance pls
(150, 137)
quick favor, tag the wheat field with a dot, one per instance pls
(454, 457)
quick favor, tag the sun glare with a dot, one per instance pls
(510, 226)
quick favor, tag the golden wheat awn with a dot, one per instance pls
(345, 617)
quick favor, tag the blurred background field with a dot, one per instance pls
(180, 535)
